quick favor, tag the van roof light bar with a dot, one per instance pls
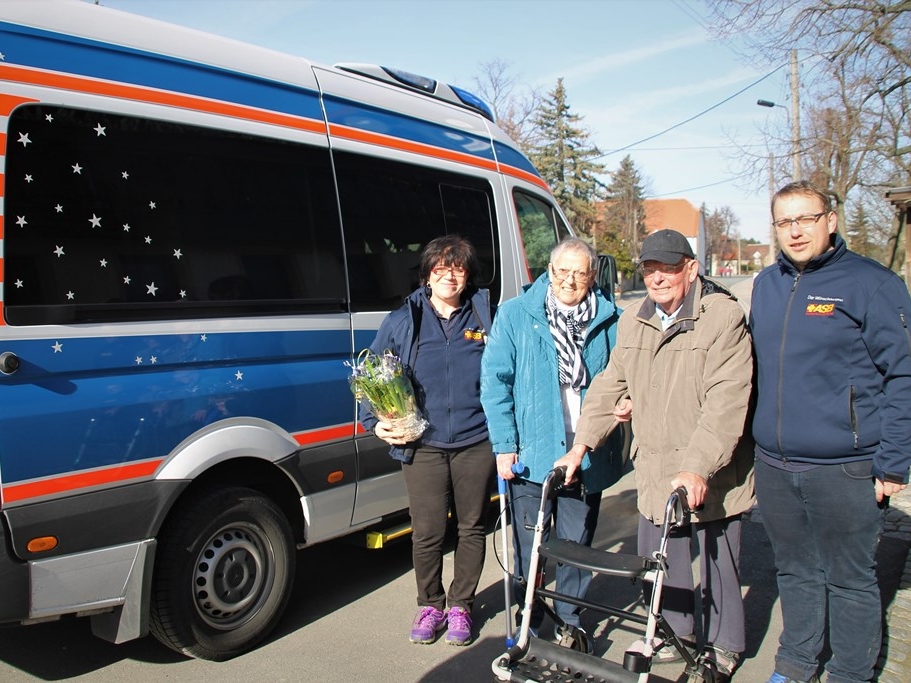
(423, 84)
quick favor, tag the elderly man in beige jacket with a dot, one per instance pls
(682, 371)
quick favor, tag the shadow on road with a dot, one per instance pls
(329, 576)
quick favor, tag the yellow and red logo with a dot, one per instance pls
(820, 309)
(474, 335)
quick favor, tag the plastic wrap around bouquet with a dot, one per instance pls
(381, 382)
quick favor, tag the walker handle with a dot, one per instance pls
(680, 507)
(554, 480)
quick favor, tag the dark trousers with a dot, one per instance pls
(719, 561)
(574, 517)
(824, 526)
(438, 480)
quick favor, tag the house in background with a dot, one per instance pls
(679, 215)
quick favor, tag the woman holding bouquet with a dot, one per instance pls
(439, 335)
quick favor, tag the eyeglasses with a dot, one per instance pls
(455, 271)
(563, 274)
(807, 221)
(663, 268)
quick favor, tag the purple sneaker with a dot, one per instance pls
(428, 622)
(459, 626)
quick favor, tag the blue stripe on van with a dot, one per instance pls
(513, 157)
(92, 404)
(59, 52)
(365, 117)
(51, 51)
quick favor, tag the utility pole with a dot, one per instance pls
(772, 236)
(795, 118)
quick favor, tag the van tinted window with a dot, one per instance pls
(541, 227)
(390, 210)
(112, 218)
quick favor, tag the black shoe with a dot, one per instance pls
(575, 638)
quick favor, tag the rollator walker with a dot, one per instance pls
(571, 660)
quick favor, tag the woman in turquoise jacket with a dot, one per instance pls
(543, 350)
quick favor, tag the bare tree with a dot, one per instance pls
(720, 234)
(863, 37)
(856, 141)
(514, 105)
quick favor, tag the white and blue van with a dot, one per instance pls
(196, 235)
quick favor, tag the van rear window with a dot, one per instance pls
(112, 218)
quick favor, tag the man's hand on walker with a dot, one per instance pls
(572, 461)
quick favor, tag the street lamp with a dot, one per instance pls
(795, 135)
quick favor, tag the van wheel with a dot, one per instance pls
(223, 573)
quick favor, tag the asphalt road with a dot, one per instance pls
(349, 620)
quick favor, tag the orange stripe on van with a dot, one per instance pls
(431, 151)
(409, 146)
(112, 475)
(525, 175)
(344, 431)
(3, 143)
(10, 102)
(171, 99)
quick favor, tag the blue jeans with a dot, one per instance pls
(824, 526)
(574, 517)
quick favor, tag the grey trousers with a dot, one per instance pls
(719, 561)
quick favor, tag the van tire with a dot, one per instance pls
(223, 573)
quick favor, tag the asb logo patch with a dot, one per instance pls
(820, 309)
(474, 335)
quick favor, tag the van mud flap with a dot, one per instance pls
(545, 661)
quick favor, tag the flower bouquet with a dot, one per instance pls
(381, 381)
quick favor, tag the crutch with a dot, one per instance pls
(502, 487)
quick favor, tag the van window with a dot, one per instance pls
(391, 210)
(541, 227)
(112, 218)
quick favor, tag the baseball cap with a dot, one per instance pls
(665, 246)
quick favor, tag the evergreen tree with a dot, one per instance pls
(565, 158)
(859, 232)
(622, 227)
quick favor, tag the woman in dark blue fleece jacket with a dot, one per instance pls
(439, 334)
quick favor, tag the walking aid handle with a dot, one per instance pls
(517, 468)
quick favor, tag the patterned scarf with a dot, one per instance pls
(568, 330)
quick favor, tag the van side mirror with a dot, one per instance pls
(607, 275)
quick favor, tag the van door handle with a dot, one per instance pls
(9, 362)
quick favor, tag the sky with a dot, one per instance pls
(632, 69)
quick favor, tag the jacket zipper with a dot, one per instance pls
(784, 334)
(853, 414)
(905, 326)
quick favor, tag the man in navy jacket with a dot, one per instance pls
(833, 432)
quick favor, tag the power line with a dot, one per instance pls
(700, 187)
(700, 147)
(695, 116)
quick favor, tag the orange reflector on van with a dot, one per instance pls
(42, 544)
(335, 477)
